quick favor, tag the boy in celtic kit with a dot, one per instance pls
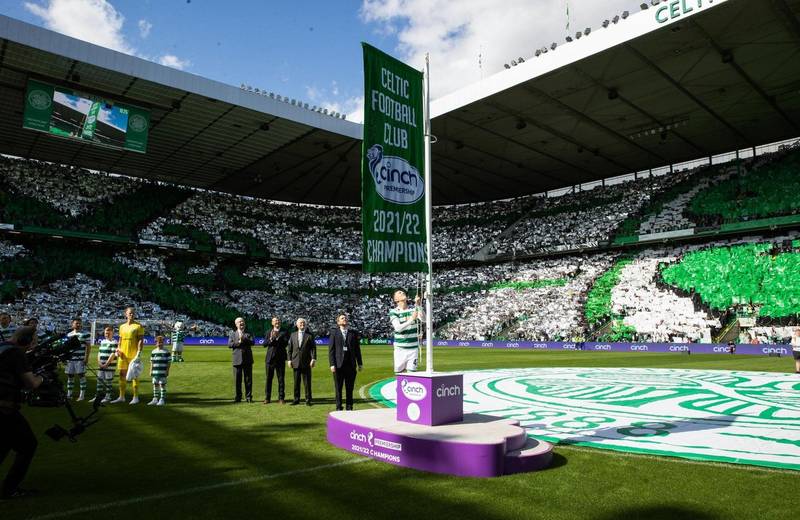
(106, 365)
(159, 370)
(76, 366)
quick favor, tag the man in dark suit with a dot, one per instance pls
(241, 342)
(274, 362)
(344, 355)
(302, 358)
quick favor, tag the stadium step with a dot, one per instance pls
(517, 442)
(534, 455)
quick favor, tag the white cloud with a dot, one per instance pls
(313, 93)
(456, 32)
(98, 22)
(353, 107)
(170, 60)
(144, 28)
(94, 21)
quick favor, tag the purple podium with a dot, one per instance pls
(429, 431)
(430, 399)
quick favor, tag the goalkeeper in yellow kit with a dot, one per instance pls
(131, 341)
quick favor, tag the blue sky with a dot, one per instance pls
(310, 50)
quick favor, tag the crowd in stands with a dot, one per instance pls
(768, 335)
(70, 191)
(543, 299)
(90, 200)
(671, 215)
(676, 293)
(656, 313)
(579, 220)
(10, 249)
(759, 275)
(551, 311)
(81, 296)
(143, 260)
(765, 187)
(288, 231)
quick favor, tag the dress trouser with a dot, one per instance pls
(305, 374)
(16, 435)
(243, 373)
(278, 369)
(346, 375)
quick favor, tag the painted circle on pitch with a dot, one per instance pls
(715, 415)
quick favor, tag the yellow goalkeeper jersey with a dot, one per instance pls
(129, 336)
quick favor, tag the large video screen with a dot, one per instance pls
(74, 115)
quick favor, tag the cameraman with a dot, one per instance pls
(15, 432)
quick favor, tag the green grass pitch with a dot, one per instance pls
(205, 457)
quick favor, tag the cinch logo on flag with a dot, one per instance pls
(395, 179)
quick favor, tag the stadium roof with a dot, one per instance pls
(662, 86)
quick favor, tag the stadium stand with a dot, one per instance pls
(766, 189)
(579, 220)
(600, 296)
(79, 295)
(10, 249)
(756, 275)
(35, 193)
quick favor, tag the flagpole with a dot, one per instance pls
(428, 222)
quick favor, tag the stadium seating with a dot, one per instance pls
(727, 277)
(597, 296)
(34, 193)
(765, 191)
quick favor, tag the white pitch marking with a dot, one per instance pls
(189, 491)
(362, 393)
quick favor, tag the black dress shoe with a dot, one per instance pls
(308, 403)
(237, 400)
(267, 401)
(249, 399)
(294, 403)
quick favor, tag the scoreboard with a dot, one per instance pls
(66, 113)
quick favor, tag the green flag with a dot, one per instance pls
(90, 124)
(392, 166)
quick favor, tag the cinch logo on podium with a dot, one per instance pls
(430, 399)
(448, 391)
(413, 390)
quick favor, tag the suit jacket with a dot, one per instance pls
(276, 348)
(301, 355)
(336, 353)
(242, 349)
